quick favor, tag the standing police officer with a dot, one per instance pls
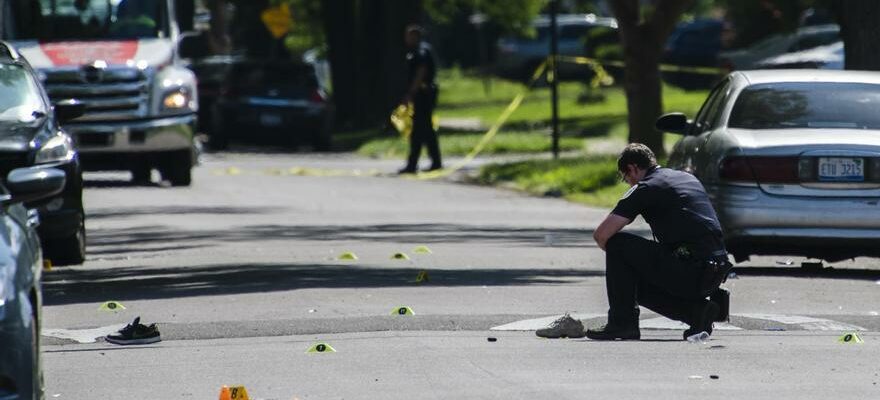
(672, 275)
(422, 92)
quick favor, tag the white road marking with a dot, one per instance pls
(668, 324)
(538, 323)
(82, 335)
(808, 323)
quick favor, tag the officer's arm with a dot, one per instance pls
(421, 74)
(612, 224)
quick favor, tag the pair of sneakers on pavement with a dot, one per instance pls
(568, 327)
(135, 333)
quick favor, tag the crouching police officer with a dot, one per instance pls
(673, 275)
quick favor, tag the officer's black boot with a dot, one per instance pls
(617, 329)
(722, 298)
(703, 316)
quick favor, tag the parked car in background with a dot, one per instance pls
(21, 301)
(823, 57)
(804, 39)
(693, 44)
(272, 101)
(518, 56)
(31, 135)
(790, 159)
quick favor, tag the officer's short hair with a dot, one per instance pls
(638, 154)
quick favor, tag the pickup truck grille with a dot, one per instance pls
(115, 94)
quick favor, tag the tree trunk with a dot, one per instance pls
(642, 41)
(366, 52)
(644, 96)
(858, 28)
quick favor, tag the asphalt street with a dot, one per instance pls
(242, 273)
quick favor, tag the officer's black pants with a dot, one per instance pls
(639, 271)
(423, 133)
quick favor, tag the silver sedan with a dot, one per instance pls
(790, 159)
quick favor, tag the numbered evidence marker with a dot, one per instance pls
(422, 250)
(233, 393)
(422, 277)
(111, 306)
(850, 338)
(400, 256)
(403, 310)
(321, 348)
(348, 256)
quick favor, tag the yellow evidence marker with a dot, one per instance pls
(403, 310)
(111, 306)
(233, 393)
(400, 256)
(348, 256)
(422, 250)
(850, 338)
(47, 265)
(422, 277)
(321, 348)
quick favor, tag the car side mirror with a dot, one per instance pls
(67, 110)
(673, 122)
(34, 183)
(193, 45)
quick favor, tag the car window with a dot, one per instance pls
(19, 94)
(705, 117)
(815, 40)
(573, 31)
(807, 105)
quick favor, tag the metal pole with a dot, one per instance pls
(553, 73)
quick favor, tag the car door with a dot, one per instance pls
(691, 145)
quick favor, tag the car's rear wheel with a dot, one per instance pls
(141, 174)
(176, 168)
(69, 250)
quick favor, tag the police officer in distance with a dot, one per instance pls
(421, 90)
(673, 275)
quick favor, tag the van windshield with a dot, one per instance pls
(53, 20)
(19, 96)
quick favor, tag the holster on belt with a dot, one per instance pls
(715, 271)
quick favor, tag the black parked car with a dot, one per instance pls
(272, 101)
(31, 135)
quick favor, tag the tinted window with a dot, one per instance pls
(89, 19)
(807, 105)
(19, 96)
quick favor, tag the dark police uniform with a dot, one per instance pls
(424, 101)
(674, 274)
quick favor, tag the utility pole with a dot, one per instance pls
(552, 72)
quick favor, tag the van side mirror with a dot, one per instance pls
(34, 183)
(673, 122)
(67, 110)
(193, 45)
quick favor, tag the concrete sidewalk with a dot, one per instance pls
(466, 365)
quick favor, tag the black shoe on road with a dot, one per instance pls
(703, 320)
(135, 333)
(406, 171)
(613, 332)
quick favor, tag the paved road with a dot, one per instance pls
(241, 271)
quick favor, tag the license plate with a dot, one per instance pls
(841, 169)
(268, 119)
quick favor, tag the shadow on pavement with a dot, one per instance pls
(407, 233)
(65, 286)
(797, 272)
(102, 213)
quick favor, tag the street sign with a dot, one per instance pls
(277, 20)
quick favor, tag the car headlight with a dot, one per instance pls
(176, 100)
(58, 148)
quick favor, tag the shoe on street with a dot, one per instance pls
(613, 332)
(565, 326)
(135, 333)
